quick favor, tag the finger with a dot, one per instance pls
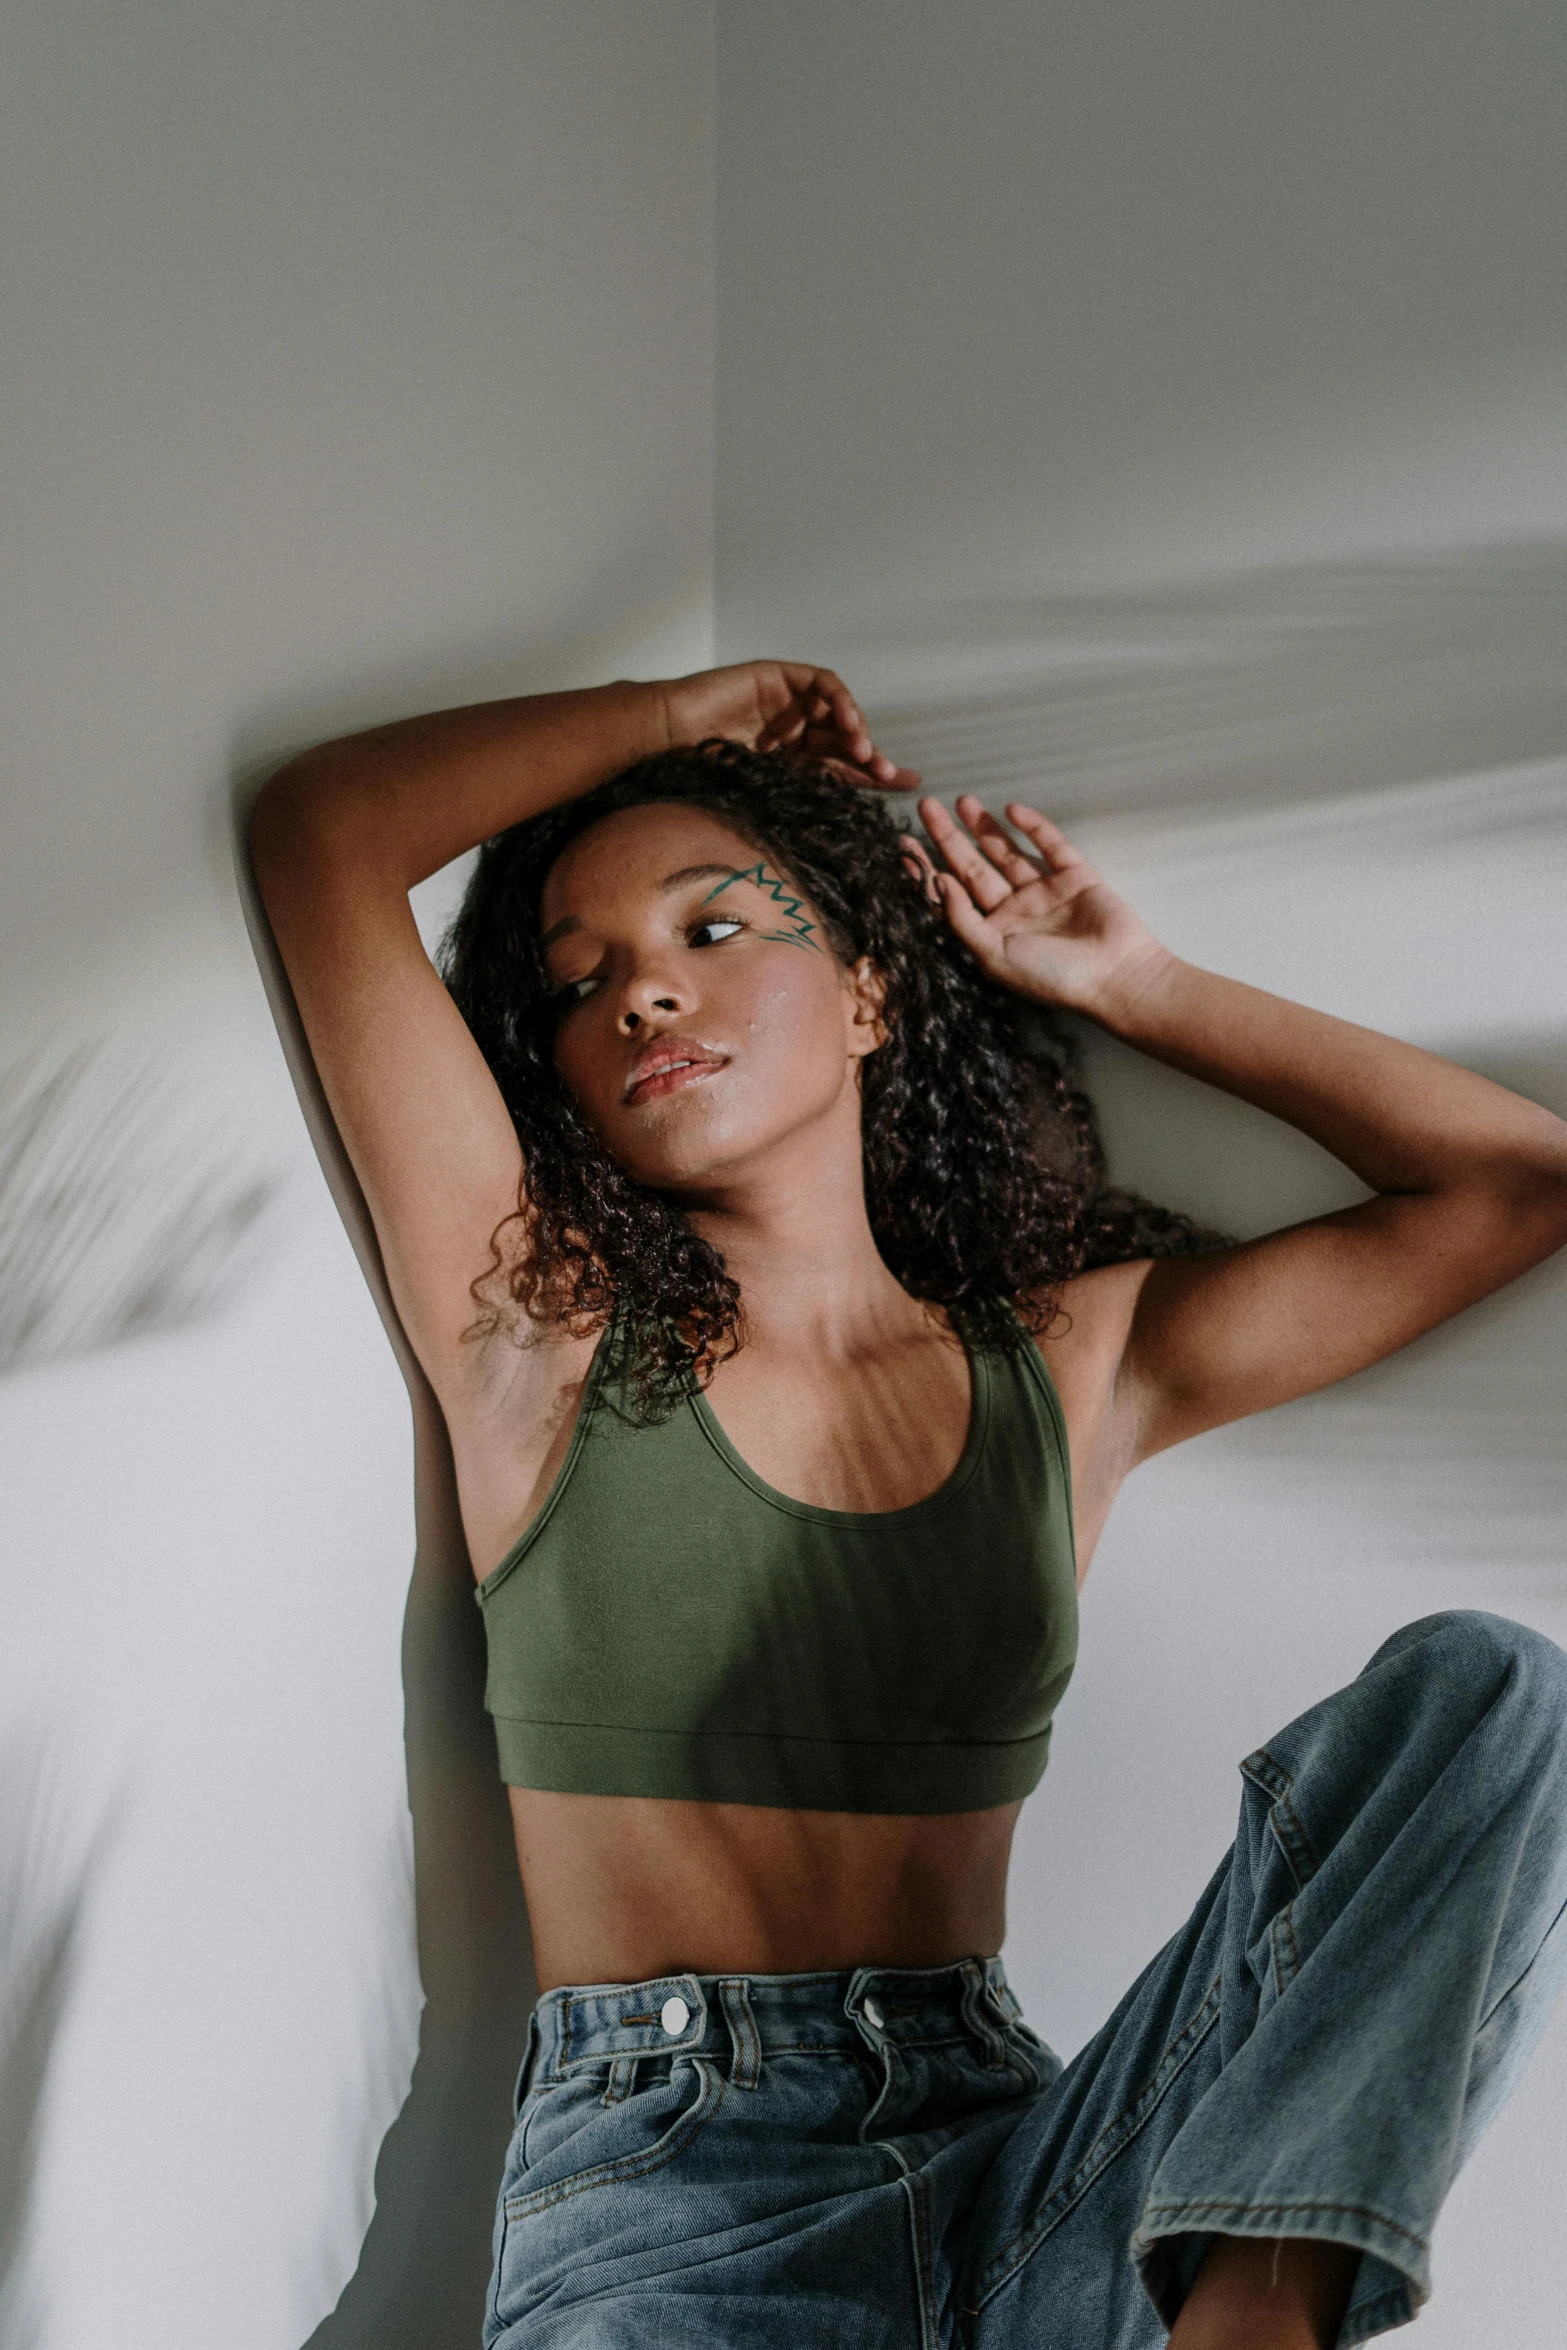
(850, 719)
(1048, 838)
(879, 767)
(977, 874)
(830, 703)
(997, 843)
(872, 767)
(964, 917)
(831, 707)
(826, 743)
(920, 866)
(887, 775)
(807, 678)
(813, 688)
(813, 693)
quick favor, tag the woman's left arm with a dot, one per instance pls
(1470, 1179)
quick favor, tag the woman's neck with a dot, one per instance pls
(798, 1241)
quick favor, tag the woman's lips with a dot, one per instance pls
(671, 1077)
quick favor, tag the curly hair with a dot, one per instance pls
(984, 1170)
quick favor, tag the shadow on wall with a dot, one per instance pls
(85, 1124)
(128, 1206)
(425, 2260)
(45, 1872)
(1259, 688)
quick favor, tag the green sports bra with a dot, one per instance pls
(670, 1625)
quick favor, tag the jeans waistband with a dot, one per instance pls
(747, 2017)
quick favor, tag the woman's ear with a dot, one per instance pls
(867, 987)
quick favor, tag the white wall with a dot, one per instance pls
(1163, 412)
(1018, 298)
(357, 359)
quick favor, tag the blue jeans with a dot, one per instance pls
(890, 2156)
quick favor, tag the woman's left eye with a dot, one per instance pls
(572, 991)
(711, 933)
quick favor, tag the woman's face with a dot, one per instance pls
(704, 1019)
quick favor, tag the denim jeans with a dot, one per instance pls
(890, 2156)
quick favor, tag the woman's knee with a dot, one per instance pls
(1469, 1657)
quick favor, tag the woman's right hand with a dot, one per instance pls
(781, 706)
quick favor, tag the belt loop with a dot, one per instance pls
(745, 2040)
(976, 2000)
(622, 2079)
(1003, 1998)
(524, 2070)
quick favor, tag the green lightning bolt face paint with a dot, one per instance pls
(799, 931)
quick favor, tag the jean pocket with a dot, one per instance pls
(574, 2146)
(574, 2141)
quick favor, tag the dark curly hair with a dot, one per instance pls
(984, 1171)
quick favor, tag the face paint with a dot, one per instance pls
(799, 931)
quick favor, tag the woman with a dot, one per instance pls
(752, 1240)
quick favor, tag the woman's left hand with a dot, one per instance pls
(1046, 924)
(787, 706)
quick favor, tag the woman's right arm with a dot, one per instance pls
(343, 832)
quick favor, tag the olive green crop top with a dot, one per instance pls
(670, 1625)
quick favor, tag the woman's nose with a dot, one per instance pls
(646, 999)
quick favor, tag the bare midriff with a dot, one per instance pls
(623, 1888)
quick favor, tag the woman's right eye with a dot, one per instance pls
(574, 991)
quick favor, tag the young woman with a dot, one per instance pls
(736, 1201)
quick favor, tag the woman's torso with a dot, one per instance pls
(621, 1887)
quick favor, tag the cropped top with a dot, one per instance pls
(670, 1625)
